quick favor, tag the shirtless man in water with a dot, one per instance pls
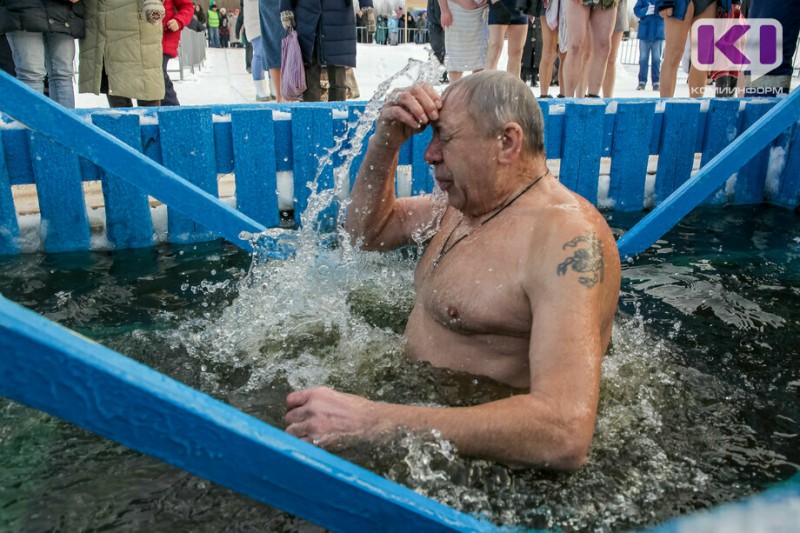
(520, 283)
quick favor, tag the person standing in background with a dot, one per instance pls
(121, 55)
(252, 30)
(515, 31)
(651, 42)
(466, 36)
(224, 28)
(269, 16)
(326, 30)
(178, 14)
(41, 35)
(213, 27)
(621, 26)
(436, 33)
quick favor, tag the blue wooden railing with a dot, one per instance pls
(256, 142)
(50, 368)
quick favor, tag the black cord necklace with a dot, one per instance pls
(445, 250)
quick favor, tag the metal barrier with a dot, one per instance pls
(191, 50)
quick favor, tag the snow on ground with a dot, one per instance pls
(223, 79)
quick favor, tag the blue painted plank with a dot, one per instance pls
(64, 223)
(583, 143)
(658, 123)
(283, 144)
(312, 134)
(752, 176)
(356, 112)
(609, 121)
(18, 155)
(722, 128)
(187, 146)
(223, 142)
(629, 155)
(676, 157)
(788, 194)
(128, 220)
(690, 194)
(9, 228)
(88, 141)
(553, 129)
(256, 172)
(50, 368)
(421, 178)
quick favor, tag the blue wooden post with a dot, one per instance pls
(86, 140)
(751, 178)
(254, 161)
(187, 148)
(355, 112)
(312, 135)
(9, 229)
(128, 220)
(48, 367)
(722, 127)
(629, 155)
(788, 194)
(583, 143)
(64, 223)
(421, 180)
(697, 189)
(676, 157)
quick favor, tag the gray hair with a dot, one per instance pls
(495, 98)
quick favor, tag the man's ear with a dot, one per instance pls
(511, 143)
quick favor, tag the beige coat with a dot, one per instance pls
(118, 36)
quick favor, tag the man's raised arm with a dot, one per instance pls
(375, 216)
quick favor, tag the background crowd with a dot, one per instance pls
(568, 44)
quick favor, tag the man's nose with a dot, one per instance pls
(433, 153)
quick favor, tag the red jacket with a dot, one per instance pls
(180, 11)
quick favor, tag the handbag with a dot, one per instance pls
(293, 73)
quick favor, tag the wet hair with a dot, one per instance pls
(495, 98)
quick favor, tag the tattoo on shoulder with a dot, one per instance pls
(587, 259)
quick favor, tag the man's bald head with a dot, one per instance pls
(495, 98)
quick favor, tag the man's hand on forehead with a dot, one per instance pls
(415, 106)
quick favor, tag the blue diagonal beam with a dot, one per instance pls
(115, 157)
(697, 189)
(47, 367)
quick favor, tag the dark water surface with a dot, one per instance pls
(700, 400)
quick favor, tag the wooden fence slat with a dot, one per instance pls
(697, 189)
(187, 147)
(128, 220)
(752, 177)
(253, 137)
(721, 129)
(50, 368)
(64, 223)
(284, 153)
(629, 155)
(788, 194)
(355, 112)
(553, 128)
(421, 180)
(9, 228)
(18, 155)
(676, 156)
(583, 143)
(73, 131)
(312, 135)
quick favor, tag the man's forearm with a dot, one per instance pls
(372, 196)
(519, 431)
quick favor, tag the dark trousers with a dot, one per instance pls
(6, 59)
(337, 83)
(123, 101)
(435, 30)
(170, 97)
